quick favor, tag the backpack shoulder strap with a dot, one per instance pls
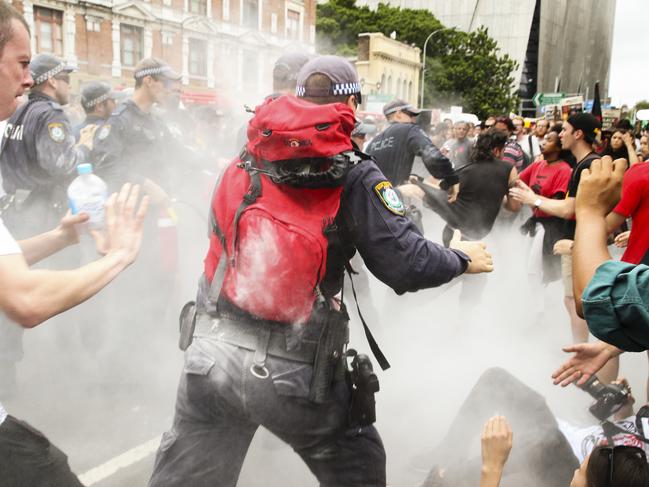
(254, 191)
(374, 346)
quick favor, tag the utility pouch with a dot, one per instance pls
(329, 365)
(363, 383)
(187, 323)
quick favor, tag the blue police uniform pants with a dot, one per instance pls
(220, 404)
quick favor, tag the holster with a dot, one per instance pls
(363, 384)
(329, 366)
(187, 322)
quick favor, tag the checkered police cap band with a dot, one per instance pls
(336, 89)
(152, 71)
(405, 108)
(96, 101)
(48, 74)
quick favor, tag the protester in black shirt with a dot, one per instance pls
(484, 182)
(578, 135)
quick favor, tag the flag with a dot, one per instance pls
(597, 104)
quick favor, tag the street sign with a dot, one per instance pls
(542, 99)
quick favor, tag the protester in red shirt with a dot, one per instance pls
(549, 178)
(635, 205)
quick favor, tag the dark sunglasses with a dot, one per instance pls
(359, 98)
(610, 452)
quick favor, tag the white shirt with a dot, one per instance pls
(8, 246)
(583, 440)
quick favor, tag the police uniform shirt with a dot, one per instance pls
(372, 220)
(132, 145)
(90, 120)
(395, 149)
(38, 147)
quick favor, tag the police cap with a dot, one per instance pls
(400, 105)
(95, 92)
(46, 66)
(343, 76)
(288, 65)
(154, 67)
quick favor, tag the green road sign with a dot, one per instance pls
(542, 99)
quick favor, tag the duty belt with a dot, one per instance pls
(260, 337)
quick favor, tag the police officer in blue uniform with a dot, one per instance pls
(98, 101)
(221, 402)
(134, 144)
(38, 160)
(395, 149)
(39, 153)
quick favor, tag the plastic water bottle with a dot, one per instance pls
(88, 194)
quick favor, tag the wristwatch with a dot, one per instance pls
(537, 203)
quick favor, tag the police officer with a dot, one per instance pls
(222, 399)
(98, 101)
(135, 144)
(38, 160)
(395, 149)
(39, 152)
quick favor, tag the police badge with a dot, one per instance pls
(103, 132)
(56, 131)
(390, 198)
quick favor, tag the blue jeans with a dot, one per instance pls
(220, 404)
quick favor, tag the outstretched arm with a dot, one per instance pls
(30, 297)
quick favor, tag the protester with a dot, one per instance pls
(528, 142)
(549, 178)
(268, 294)
(458, 148)
(29, 297)
(577, 135)
(622, 146)
(620, 465)
(513, 152)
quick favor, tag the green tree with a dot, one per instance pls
(461, 68)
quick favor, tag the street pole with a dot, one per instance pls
(423, 68)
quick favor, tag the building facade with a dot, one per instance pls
(388, 67)
(560, 45)
(226, 46)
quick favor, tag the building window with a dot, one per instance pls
(273, 23)
(167, 3)
(168, 38)
(48, 26)
(198, 7)
(197, 57)
(250, 16)
(93, 24)
(293, 24)
(226, 10)
(131, 42)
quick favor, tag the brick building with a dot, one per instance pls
(219, 46)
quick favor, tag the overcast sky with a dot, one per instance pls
(629, 82)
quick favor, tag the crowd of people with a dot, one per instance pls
(320, 190)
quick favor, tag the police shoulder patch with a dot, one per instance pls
(56, 131)
(103, 131)
(390, 198)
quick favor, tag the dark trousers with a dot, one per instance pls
(541, 453)
(28, 459)
(220, 405)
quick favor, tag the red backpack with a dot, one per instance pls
(272, 205)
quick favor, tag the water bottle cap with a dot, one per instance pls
(84, 169)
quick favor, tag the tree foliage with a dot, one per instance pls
(461, 68)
